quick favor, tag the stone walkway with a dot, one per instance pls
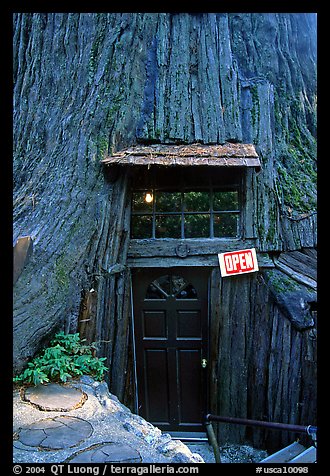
(83, 422)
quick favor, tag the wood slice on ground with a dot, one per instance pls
(56, 433)
(107, 453)
(55, 397)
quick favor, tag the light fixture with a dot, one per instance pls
(148, 197)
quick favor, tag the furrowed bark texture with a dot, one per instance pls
(89, 84)
(263, 366)
(73, 93)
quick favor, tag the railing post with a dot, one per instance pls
(213, 441)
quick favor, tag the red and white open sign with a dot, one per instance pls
(238, 262)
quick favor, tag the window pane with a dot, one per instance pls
(168, 201)
(139, 203)
(197, 201)
(178, 282)
(197, 226)
(141, 227)
(225, 201)
(189, 292)
(168, 226)
(225, 225)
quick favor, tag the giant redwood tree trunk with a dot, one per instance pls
(89, 84)
(77, 93)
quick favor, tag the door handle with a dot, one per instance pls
(204, 363)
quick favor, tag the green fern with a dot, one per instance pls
(66, 357)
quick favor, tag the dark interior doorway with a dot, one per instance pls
(171, 344)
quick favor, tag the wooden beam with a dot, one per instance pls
(169, 262)
(300, 278)
(300, 263)
(210, 260)
(195, 247)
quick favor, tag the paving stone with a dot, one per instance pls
(57, 433)
(107, 453)
(55, 397)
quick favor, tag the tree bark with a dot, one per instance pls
(266, 369)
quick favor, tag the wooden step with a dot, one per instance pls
(286, 454)
(307, 456)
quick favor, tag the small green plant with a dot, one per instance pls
(66, 357)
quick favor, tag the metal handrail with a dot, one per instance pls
(310, 430)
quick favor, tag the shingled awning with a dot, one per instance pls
(226, 155)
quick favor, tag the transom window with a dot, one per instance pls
(185, 213)
(176, 286)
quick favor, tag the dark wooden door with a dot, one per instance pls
(171, 343)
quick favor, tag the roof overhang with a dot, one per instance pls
(226, 155)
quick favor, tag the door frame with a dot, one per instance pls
(166, 269)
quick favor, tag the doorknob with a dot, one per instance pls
(204, 363)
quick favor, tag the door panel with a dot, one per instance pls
(189, 325)
(156, 389)
(189, 376)
(155, 325)
(170, 327)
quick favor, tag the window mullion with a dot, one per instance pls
(154, 214)
(211, 213)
